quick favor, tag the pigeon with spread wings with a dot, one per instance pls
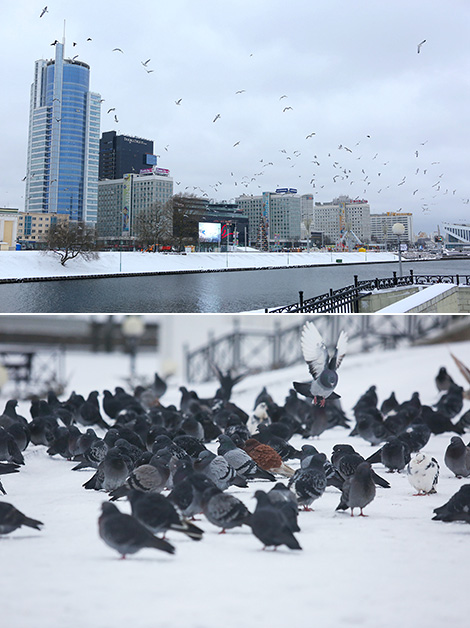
(321, 365)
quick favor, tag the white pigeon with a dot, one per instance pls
(423, 473)
(321, 365)
(260, 415)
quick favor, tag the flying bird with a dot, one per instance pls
(216, 117)
(286, 109)
(116, 119)
(118, 50)
(310, 135)
(54, 43)
(284, 96)
(148, 71)
(144, 63)
(240, 91)
(321, 365)
(112, 109)
(178, 102)
(236, 144)
(420, 44)
(44, 11)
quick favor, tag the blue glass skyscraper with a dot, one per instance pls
(63, 145)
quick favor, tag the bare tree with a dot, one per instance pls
(69, 239)
(153, 226)
(186, 211)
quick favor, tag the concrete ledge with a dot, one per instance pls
(438, 298)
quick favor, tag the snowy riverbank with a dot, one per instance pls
(22, 264)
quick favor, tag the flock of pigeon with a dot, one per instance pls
(173, 464)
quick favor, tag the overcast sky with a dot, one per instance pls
(346, 70)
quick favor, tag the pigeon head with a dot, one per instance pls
(328, 378)
(109, 509)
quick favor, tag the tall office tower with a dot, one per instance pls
(124, 154)
(63, 145)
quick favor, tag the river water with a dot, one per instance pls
(238, 291)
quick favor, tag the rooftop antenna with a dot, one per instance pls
(63, 38)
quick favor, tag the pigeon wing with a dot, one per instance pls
(341, 348)
(313, 349)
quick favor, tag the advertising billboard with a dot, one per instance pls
(209, 232)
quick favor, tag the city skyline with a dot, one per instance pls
(338, 97)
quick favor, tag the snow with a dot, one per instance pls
(396, 567)
(17, 264)
(419, 298)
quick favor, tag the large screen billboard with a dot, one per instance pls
(209, 232)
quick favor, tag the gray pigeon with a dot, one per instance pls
(270, 526)
(458, 506)
(321, 365)
(217, 469)
(125, 534)
(158, 514)
(224, 510)
(111, 473)
(243, 464)
(358, 490)
(457, 457)
(11, 519)
(146, 478)
(309, 482)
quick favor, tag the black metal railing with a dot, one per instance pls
(347, 299)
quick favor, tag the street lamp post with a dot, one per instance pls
(399, 229)
(133, 328)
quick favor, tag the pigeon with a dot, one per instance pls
(270, 526)
(158, 514)
(145, 478)
(346, 460)
(443, 380)
(395, 454)
(321, 365)
(11, 519)
(358, 490)
(259, 417)
(420, 44)
(217, 469)
(125, 534)
(438, 422)
(451, 402)
(243, 463)
(423, 473)
(309, 482)
(267, 458)
(457, 506)
(187, 493)
(223, 509)
(457, 457)
(389, 405)
(9, 450)
(286, 501)
(111, 473)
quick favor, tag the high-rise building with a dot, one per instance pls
(124, 154)
(381, 227)
(63, 145)
(343, 220)
(121, 201)
(274, 218)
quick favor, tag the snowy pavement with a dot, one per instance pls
(396, 567)
(17, 264)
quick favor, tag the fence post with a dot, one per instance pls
(457, 280)
(376, 281)
(301, 300)
(355, 280)
(395, 278)
(412, 276)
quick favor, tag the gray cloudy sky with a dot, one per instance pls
(348, 69)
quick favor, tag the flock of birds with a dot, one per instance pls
(357, 171)
(173, 464)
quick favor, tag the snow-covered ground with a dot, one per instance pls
(14, 264)
(396, 567)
